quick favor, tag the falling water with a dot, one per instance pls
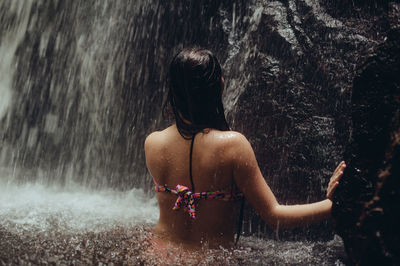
(9, 43)
(82, 83)
(74, 83)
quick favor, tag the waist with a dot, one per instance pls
(193, 239)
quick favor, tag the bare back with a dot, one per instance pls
(220, 159)
(168, 160)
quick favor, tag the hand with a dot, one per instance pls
(334, 181)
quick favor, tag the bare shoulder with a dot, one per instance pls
(156, 139)
(154, 146)
(152, 139)
(233, 142)
(241, 155)
(232, 138)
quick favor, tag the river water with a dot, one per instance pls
(41, 224)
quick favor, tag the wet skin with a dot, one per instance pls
(220, 159)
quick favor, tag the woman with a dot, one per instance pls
(201, 169)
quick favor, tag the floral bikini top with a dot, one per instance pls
(187, 198)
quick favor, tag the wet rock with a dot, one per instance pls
(293, 104)
(367, 202)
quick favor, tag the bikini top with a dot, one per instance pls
(187, 198)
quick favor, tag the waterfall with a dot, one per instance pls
(76, 96)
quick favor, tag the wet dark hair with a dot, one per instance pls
(195, 92)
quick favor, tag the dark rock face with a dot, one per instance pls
(295, 100)
(367, 205)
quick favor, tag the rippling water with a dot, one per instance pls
(49, 224)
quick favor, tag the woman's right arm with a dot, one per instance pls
(250, 181)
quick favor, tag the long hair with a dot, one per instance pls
(195, 92)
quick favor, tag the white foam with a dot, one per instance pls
(36, 207)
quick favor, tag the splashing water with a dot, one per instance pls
(37, 208)
(112, 226)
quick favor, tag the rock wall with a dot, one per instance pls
(367, 202)
(290, 86)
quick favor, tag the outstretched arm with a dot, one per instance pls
(250, 181)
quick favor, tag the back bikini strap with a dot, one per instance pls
(190, 163)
